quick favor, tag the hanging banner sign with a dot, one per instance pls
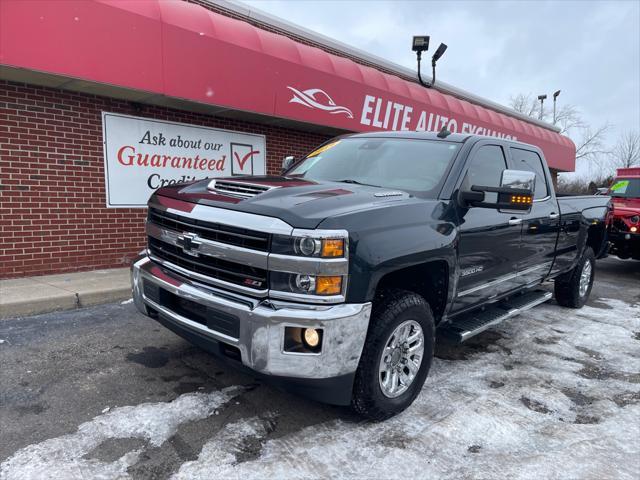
(142, 155)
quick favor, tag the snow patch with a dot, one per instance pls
(541, 403)
(220, 454)
(555, 396)
(62, 457)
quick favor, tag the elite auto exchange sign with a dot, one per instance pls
(142, 155)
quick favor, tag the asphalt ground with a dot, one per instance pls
(106, 392)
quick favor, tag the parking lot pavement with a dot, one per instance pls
(103, 391)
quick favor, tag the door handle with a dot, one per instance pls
(515, 221)
(554, 215)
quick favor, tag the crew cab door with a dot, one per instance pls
(540, 225)
(489, 240)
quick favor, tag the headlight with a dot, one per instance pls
(306, 284)
(309, 264)
(307, 246)
(325, 244)
(634, 219)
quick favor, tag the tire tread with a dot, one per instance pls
(387, 306)
(566, 287)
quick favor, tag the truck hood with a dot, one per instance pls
(625, 206)
(299, 202)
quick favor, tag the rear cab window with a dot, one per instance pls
(531, 161)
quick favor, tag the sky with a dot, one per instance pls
(588, 49)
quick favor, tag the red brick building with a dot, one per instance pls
(203, 63)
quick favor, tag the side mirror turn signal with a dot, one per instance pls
(515, 193)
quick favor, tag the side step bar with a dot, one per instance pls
(479, 321)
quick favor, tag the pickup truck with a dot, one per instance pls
(332, 278)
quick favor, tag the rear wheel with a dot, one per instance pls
(397, 355)
(573, 289)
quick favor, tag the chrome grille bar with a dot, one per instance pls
(230, 253)
(211, 231)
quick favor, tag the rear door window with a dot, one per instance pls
(531, 161)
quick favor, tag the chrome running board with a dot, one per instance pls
(480, 320)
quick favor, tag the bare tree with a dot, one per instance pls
(525, 103)
(626, 152)
(589, 141)
(568, 118)
(590, 144)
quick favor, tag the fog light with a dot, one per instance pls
(633, 229)
(311, 337)
(302, 340)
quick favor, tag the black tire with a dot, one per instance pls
(390, 309)
(567, 286)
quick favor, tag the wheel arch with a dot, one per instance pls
(597, 239)
(429, 280)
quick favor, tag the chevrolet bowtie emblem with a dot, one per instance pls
(189, 243)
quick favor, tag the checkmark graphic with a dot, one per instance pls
(243, 160)
(243, 156)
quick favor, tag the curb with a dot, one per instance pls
(37, 295)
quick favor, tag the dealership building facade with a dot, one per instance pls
(102, 102)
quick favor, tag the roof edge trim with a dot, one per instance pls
(270, 20)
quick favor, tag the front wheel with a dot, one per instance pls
(573, 289)
(396, 357)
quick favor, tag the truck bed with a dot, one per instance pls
(579, 203)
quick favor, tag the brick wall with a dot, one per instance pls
(52, 195)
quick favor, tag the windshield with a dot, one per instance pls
(414, 166)
(625, 188)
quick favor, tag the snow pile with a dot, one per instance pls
(62, 457)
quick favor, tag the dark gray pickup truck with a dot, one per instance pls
(332, 278)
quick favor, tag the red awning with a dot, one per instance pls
(184, 51)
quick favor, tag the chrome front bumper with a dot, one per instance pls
(262, 324)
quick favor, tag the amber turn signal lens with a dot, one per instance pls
(522, 199)
(328, 285)
(333, 247)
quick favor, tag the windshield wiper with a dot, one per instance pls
(356, 182)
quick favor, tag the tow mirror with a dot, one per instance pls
(287, 162)
(514, 193)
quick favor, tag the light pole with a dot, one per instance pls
(542, 98)
(555, 96)
(421, 44)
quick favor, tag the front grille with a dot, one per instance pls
(231, 272)
(209, 317)
(240, 237)
(619, 225)
(238, 189)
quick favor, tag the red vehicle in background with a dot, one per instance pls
(624, 232)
